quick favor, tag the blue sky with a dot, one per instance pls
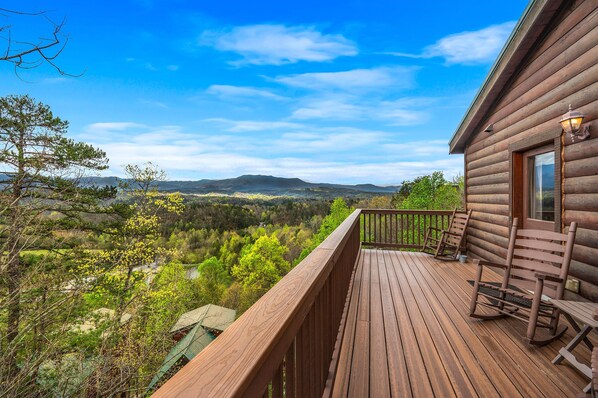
(328, 91)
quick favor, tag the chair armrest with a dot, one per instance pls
(489, 264)
(596, 318)
(550, 278)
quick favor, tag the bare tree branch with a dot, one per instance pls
(29, 54)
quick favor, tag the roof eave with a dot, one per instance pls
(528, 29)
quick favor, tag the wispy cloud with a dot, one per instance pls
(155, 104)
(472, 47)
(419, 148)
(400, 112)
(151, 66)
(238, 126)
(469, 48)
(278, 44)
(329, 140)
(357, 79)
(228, 92)
(329, 108)
(109, 127)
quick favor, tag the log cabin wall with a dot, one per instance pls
(561, 68)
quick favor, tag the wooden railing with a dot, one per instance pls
(400, 229)
(283, 345)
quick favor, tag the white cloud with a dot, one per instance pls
(472, 47)
(401, 112)
(419, 148)
(475, 47)
(279, 44)
(356, 79)
(336, 109)
(252, 125)
(329, 141)
(108, 127)
(227, 92)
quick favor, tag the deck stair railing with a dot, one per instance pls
(286, 344)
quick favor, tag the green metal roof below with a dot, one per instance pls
(196, 340)
(209, 316)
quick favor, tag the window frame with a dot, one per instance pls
(519, 152)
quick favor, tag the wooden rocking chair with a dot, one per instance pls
(537, 267)
(447, 245)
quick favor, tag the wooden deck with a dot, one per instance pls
(408, 333)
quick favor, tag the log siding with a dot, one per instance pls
(558, 69)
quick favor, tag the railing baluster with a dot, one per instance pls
(289, 372)
(370, 227)
(277, 383)
(385, 228)
(301, 361)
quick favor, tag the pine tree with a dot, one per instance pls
(40, 196)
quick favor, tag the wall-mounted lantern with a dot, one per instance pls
(571, 123)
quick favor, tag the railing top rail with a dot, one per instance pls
(395, 211)
(231, 363)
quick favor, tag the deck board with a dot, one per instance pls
(408, 333)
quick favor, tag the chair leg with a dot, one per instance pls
(533, 313)
(476, 290)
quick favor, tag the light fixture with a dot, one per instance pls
(571, 123)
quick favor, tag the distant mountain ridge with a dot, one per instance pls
(258, 184)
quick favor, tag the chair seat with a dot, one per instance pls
(513, 294)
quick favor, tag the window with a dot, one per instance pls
(535, 181)
(541, 187)
(538, 188)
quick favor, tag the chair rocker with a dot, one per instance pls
(446, 244)
(536, 268)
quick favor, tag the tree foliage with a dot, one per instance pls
(430, 192)
(261, 265)
(41, 198)
(338, 212)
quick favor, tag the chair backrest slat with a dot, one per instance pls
(548, 246)
(536, 266)
(538, 255)
(531, 251)
(525, 279)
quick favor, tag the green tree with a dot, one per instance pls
(230, 251)
(40, 195)
(431, 192)
(260, 267)
(339, 211)
(128, 287)
(212, 281)
(135, 240)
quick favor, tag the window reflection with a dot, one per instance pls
(541, 206)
